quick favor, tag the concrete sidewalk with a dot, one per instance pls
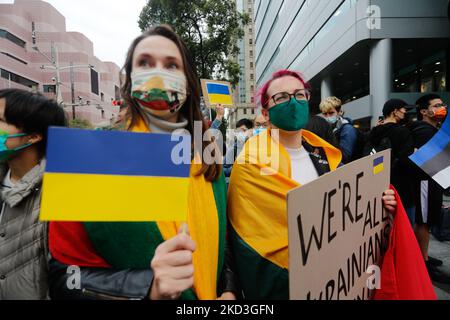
(441, 250)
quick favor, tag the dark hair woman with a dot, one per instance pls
(154, 260)
(24, 120)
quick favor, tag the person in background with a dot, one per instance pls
(428, 194)
(24, 120)
(393, 134)
(220, 113)
(344, 131)
(242, 134)
(259, 124)
(322, 128)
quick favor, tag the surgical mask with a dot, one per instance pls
(440, 113)
(332, 120)
(159, 92)
(5, 152)
(258, 131)
(291, 115)
(241, 137)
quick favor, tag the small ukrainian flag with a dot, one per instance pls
(219, 94)
(378, 165)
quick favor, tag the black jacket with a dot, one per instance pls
(110, 284)
(402, 146)
(422, 132)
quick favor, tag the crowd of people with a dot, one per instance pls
(234, 244)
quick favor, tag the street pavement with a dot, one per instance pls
(441, 250)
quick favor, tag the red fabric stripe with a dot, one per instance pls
(69, 243)
(404, 275)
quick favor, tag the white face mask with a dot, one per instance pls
(159, 92)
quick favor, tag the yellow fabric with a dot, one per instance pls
(203, 225)
(257, 206)
(62, 190)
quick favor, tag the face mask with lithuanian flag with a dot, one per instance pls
(159, 92)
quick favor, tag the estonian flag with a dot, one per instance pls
(113, 176)
(434, 157)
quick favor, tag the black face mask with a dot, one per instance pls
(405, 119)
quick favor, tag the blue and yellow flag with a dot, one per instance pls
(219, 93)
(113, 176)
(378, 165)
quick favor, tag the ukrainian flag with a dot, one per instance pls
(113, 176)
(219, 93)
(378, 165)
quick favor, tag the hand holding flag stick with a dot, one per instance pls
(172, 265)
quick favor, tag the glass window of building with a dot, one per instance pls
(421, 65)
(9, 36)
(18, 79)
(49, 88)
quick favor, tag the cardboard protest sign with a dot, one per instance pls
(338, 230)
(113, 176)
(434, 157)
(217, 92)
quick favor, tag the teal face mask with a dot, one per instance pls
(5, 152)
(291, 115)
(332, 120)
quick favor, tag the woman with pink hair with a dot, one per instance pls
(257, 202)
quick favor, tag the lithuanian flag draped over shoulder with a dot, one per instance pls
(132, 245)
(257, 209)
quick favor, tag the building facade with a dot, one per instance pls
(362, 51)
(33, 40)
(245, 90)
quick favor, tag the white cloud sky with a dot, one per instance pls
(110, 24)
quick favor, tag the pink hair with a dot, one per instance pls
(261, 95)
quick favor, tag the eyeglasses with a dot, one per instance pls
(299, 95)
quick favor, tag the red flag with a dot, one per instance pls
(404, 275)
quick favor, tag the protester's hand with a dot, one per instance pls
(220, 112)
(379, 122)
(227, 296)
(173, 270)
(389, 202)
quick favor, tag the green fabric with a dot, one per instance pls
(151, 95)
(139, 240)
(260, 279)
(220, 196)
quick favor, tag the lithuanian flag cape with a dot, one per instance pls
(257, 210)
(132, 245)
